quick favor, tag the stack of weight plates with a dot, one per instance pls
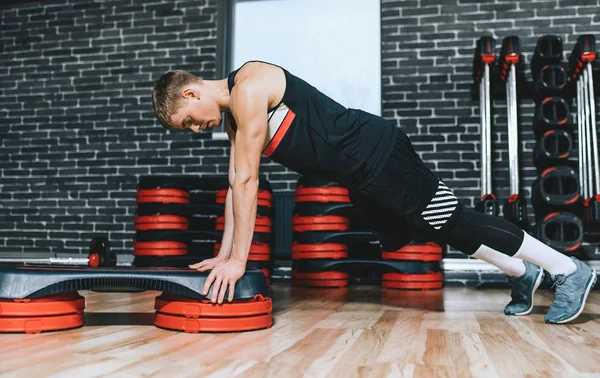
(418, 252)
(161, 205)
(193, 316)
(555, 194)
(321, 207)
(50, 313)
(180, 221)
(260, 254)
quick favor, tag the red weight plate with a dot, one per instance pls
(160, 252)
(258, 257)
(404, 277)
(45, 306)
(322, 227)
(327, 190)
(178, 323)
(160, 219)
(161, 226)
(298, 220)
(411, 256)
(430, 247)
(161, 199)
(163, 192)
(159, 245)
(40, 324)
(193, 308)
(323, 199)
(319, 255)
(162, 196)
(322, 247)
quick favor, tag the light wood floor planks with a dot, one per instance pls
(352, 332)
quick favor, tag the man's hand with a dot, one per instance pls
(208, 264)
(224, 274)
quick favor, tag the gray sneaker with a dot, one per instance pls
(523, 288)
(571, 292)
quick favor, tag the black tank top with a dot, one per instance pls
(317, 137)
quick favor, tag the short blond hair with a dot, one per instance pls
(167, 92)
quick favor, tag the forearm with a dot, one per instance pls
(244, 216)
(227, 240)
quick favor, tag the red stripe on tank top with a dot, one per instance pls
(285, 125)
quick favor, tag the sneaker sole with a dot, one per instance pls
(538, 281)
(587, 292)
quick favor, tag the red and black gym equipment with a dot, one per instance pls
(580, 64)
(407, 281)
(50, 313)
(36, 299)
(556, 189)
(162, 195)
(485, 56)
(515, 207)
(321, 207)
(320, 223)
(554, 148)
(552, 113)
(99, 255)
(548, 50)
(319, 251)
(430, 251)
(328, 279)
(160, 222)
(320, 191)
(551, 81)
(395, 274)
(193, 316)
(562, 231)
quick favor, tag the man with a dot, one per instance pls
(270, 111)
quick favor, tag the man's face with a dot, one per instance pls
(196, 112)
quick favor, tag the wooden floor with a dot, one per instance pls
(352, 332)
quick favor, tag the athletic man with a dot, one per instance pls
(270, 111)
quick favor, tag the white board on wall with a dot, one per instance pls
(334, 45)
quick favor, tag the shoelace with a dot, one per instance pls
(560, 294)
(560, 279)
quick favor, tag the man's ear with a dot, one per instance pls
(190, 93)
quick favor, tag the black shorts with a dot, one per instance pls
(406, 201)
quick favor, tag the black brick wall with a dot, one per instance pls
(76, 119)
(427, 53)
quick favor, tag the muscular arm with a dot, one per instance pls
(250, 105)
(227, 240)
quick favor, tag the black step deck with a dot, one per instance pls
(33, 281)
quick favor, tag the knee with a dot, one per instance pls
(460, 233)
(471, 229)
